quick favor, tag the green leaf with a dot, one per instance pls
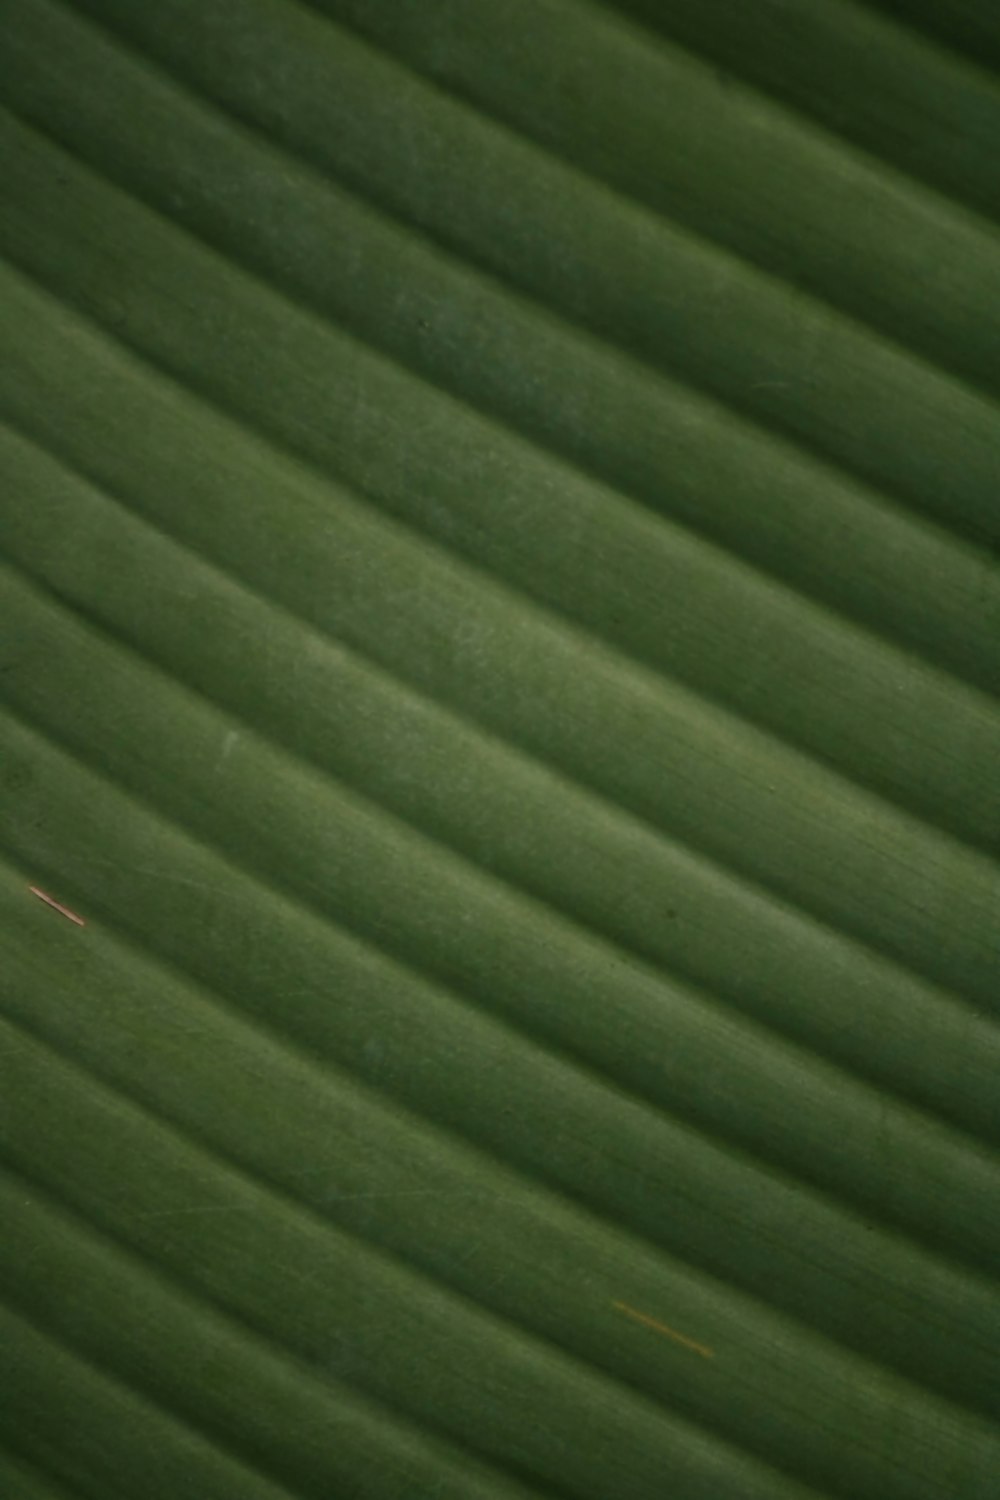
(499, 744)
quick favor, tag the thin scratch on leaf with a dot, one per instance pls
(235, 1208)
(671, 1333)
(412, 1193)
(153, 873)
(208, 1208)
(63, 911)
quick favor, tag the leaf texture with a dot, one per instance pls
(499, 646)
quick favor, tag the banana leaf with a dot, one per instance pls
(499, 750)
